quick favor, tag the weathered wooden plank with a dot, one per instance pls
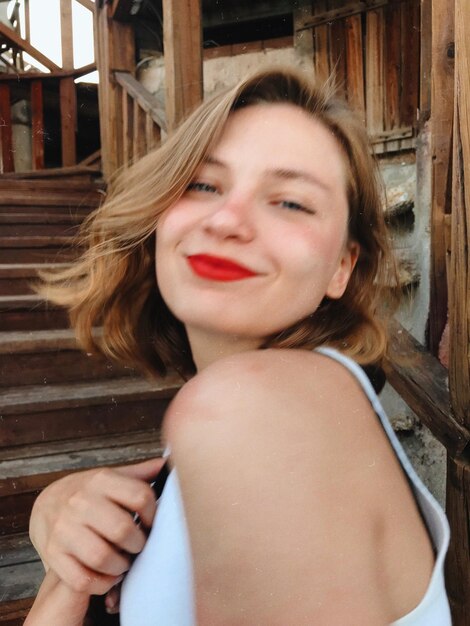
(66, 33)
(68, 121)
(88, 4)
(75, 73)
(338, 54)
(442, 112)
(27, 21)
(342, 10)
(410, 55)
(127, 128)
(6, 135)
(374, 72)
(459, 279)
(37, 125)
(422, 382)
(115, 51)
(458, 557)
(182, 41)
(321, 44)
(138, 140)
(14, 39)
(354, 63)
(152, 133)
(392, 68)
(425, 61)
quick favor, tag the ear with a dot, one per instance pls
(347, 262)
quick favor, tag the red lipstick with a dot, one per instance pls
(217, 268)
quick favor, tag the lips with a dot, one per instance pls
(217, 268)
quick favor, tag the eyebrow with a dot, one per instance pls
(278, 172)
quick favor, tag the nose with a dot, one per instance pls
(233, 218)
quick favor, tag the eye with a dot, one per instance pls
(295, 206)
(201, 186)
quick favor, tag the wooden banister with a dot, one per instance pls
(142, 120)
(422, 382)
(145, 99)
(71, 73)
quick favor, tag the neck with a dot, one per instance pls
(208, 348)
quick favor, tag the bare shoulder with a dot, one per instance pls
(283, 468)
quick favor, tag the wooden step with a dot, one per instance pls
(50, 356)
(16, 278)
(37, 249)
(39, 413)
(49, 198)
(30, 312)
(38, 224)
(21, 573)
(26, 470)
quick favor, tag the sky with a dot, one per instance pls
(45, 31)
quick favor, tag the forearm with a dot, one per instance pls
(57, 604)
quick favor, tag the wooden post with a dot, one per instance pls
(458, 485)
(27, 21)
(37, 125)
(68, 93)
(8, 164)
(442, 113)
(115, 50)
(68, 121)
(182, 46)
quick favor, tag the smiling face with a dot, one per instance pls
(260, 236)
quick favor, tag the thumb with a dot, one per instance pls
(145, 470)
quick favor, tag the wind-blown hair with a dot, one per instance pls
(113, 283)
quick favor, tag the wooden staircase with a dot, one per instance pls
(61, 410)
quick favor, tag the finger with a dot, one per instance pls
(117, 527)
(146, 470)
(133, 494)
(82, 579)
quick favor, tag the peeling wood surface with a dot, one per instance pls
(422, 382)
(182, 42)
(442, 113)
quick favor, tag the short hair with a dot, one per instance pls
(113, 283)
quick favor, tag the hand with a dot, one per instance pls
(82, 525)
(57, 604)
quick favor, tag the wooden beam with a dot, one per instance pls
(458, 557)
(8, 164)
(37, 125)
(458, 471)
(346, 11)
(442, 112)
(68, 121)
(66, 33)
(421, 380)
(182, 44)
(88, 4)
(27, 21)
(74, 73)
(15, 40)
(115, 51)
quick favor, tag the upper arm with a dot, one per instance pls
(276, 484)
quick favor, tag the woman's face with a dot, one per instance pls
(260, 236)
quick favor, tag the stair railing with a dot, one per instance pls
(142, 120)
(31, 86)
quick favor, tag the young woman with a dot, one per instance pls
(289, 500)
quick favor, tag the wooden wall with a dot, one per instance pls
(374, 54)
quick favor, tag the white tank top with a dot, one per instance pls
(158, 590)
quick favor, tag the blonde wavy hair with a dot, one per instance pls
(113, 283)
